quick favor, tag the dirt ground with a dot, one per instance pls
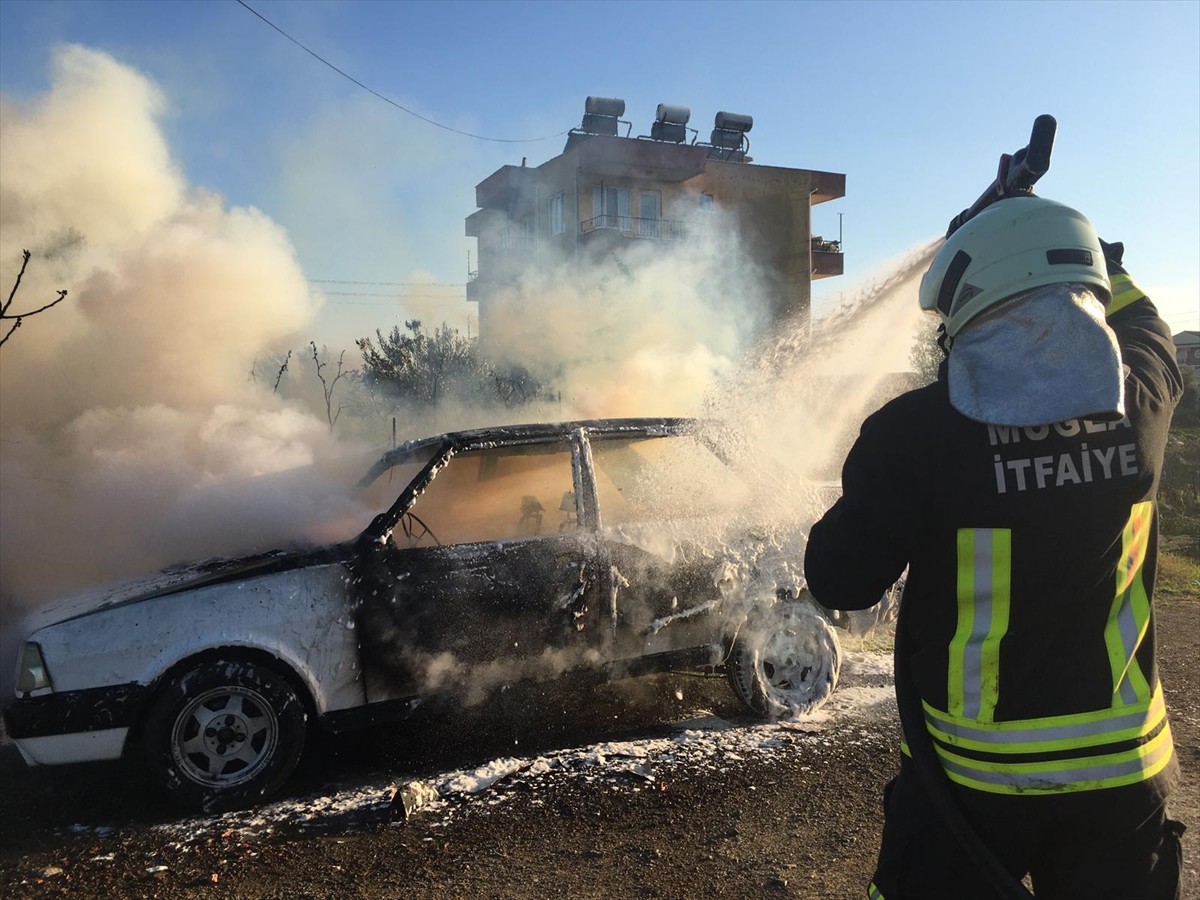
(795, 815)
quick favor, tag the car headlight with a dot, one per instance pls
(32, 675)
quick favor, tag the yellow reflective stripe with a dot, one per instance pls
(1124, 292)
(1051, 733)
(1091, 773)
(983, 590)
(1001, 584)
(874, 893)
(965, 592)
(1129, 617)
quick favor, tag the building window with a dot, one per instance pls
(557, 219)
(611, 208)
(649, 213)
(706, 203)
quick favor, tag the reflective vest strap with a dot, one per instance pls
(1124, 292)
(983, 593)
(1089, 773)
(1052, 734)
(1129, 617)
(874, 893)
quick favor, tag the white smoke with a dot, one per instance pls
(647, 331)
(126, 410)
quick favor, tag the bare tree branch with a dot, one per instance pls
(25, 254)
(283, 368)
(17, 318)
(328, 386)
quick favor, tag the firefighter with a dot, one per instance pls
(1019, 492)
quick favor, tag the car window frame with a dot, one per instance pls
(577, 436)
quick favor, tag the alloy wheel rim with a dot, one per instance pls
(224, 736)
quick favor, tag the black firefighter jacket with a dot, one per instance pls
(1031, 558)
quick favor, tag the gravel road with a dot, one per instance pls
(656, 788)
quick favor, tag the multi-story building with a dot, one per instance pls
(606, 191)
(1187, 349)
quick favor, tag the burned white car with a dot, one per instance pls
(612, 547)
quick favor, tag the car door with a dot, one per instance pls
(487, 579)
(664, 505)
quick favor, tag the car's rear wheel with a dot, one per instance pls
(785, 661)
(224, 734)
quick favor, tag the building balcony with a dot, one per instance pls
(514, 239)
(475, 287)
(632, 227)
(827, 258)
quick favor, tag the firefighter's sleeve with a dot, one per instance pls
(1145, 341)
(862, 544)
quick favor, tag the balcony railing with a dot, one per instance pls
(516, 238)
(632, 227)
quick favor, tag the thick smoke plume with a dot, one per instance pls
(126, 411)
(647, 330)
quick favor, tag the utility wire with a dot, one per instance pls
(388, 100)
(388, 283)
(393, 298)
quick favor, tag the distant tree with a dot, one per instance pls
(423, 368)
(18, 318)
(925, 356)
(426, 369)
(516, 386)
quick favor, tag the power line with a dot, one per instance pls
(444, 284)
(388, 100)
(443, 298)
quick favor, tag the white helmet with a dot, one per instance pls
(1014, 245)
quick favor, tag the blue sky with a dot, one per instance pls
(914, 102)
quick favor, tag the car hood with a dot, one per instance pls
(178, 580)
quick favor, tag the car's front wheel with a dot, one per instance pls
(224, 734)
(785, 661)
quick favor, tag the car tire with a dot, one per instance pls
(785, 660)
(224, 734)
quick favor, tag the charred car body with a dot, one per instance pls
(611, 547)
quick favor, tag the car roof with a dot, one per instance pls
(524, 434)
(538, 432)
